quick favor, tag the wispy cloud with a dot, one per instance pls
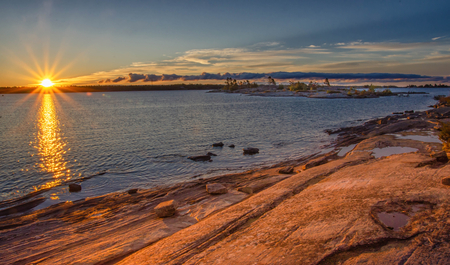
(436, 38)
(262, 59)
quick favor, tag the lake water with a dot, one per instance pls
(143, 139)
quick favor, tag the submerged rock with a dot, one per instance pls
(231, 146)
(211, 154)
(250, 151)
(216, 188)
(220, 144)
(200, 158)
(166, 209)
(74, 187)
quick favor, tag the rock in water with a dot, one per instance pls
(74, 187)
(166, 209)
(216, 188)
(200, 158)
(250, 151)
(217, 144)
(286, 170)
(211, 154)
(231, 146)
(132, 191)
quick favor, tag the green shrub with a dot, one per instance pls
(386, 92)
(298, 87)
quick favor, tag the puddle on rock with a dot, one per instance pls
(346, 149)
(392, 150)
(394, 220)
(421, 138)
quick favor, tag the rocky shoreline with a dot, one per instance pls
(360, 202)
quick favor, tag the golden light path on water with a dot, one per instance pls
(50, 145)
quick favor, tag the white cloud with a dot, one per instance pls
(436, 38)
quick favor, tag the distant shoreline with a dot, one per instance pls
(83, 89)
(175, 87)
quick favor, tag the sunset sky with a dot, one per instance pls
(135, 42)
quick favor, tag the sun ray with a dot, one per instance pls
(34, 59)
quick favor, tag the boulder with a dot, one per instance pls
(200, 158)
(409, 111)
(74, 187)
(132, 191)
(446, 181)
(441, 156)
(286, 170)
(166, 209)
(216, 188)
(211, 154)
(217, 144)
(231, 146)
(250, 151)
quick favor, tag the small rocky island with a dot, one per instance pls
(311, 90)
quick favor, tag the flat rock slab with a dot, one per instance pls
(166, 209)
(216, 188)
(257, 186)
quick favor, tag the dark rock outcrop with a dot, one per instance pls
(446, 181)
(440, 156)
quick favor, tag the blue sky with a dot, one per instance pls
(87, 42)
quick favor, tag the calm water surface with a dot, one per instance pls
(143, 139)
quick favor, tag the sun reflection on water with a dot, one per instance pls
(50, 145)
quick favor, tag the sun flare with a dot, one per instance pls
(47, 83)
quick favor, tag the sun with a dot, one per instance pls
(47, 83)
